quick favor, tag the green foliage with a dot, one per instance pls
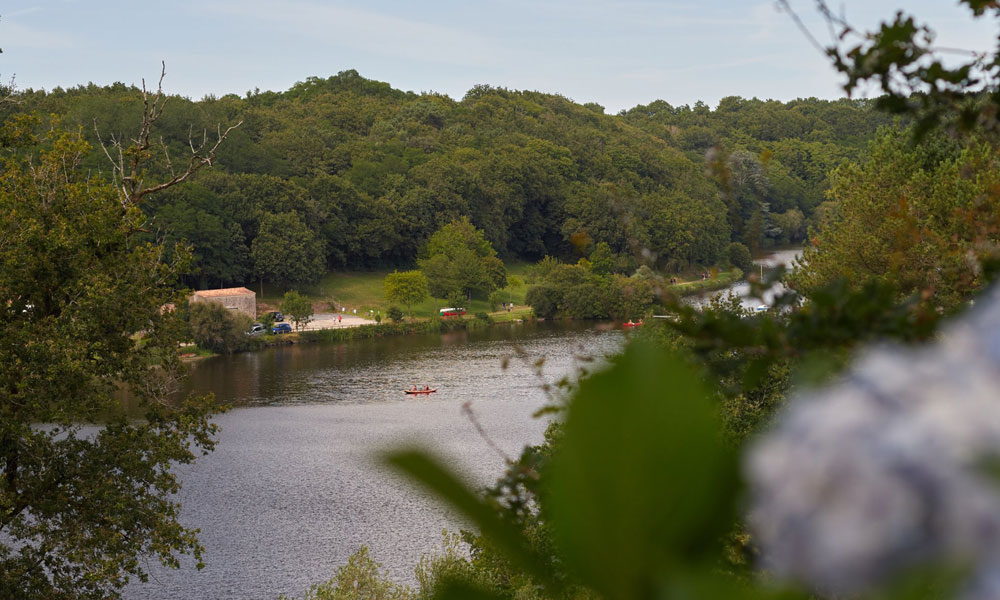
(82, 511)
(395, 314)
(638, 495)
(297, 307)
(373, 172)
(497, 298)
(219, 329)
(922, 219)
(605, 262)
(409, 287)
(642, 486)
(286, 251)
(543, 300)
(360, 579)
(458, 259)
(914, 76)
(585, 301)
(739, 257)
(580, 292)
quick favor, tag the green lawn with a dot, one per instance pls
(362, 290)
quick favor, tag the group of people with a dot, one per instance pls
(414, 388)
(508, 306)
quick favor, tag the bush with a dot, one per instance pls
(216, 328)
(456, 300)
(360, 579)
(544, 301)
(483, 317)
(585, 301)
(739, 256)
(497, 298)
(395, 313)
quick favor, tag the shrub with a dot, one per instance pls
(585, 301)
(739, 256)
(395, 313)
(543, 300)
(360, 579)
(497, 298)
(483, 317)
(219, 329)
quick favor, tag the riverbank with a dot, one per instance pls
(342, 327)
(714, 283)
(364, 329)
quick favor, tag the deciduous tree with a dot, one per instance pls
(299, 308)
(408, 287)
(286, 251)
(86, 491)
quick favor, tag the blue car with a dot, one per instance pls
(281, 328)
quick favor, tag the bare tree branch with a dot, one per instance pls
(128, 167)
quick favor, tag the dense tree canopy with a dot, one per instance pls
(911, 216)
(458, 259)
(85, 508)
(372, 172)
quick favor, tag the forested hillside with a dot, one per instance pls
(349, 173)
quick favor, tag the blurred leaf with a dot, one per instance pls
(709, 583)
(463, 590)
(450, 489)
(929, 582)
(642, 484)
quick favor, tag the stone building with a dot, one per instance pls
(240, 299)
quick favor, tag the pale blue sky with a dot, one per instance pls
(618, 54)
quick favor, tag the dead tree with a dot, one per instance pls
(127, 160)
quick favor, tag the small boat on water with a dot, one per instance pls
(419, 391)
(631, 324)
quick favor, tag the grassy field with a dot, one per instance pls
(362, 290)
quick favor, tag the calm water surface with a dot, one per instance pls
(295, 486)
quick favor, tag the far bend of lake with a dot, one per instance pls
(295, 485)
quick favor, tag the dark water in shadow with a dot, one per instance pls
(295, 486)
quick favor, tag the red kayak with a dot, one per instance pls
(419, 391)
(631, 324)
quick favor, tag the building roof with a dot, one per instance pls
(240, 291)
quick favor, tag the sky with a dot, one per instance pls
(618, 54)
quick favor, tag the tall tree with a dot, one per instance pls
(459, 259)
(286, 251)
(83, 508)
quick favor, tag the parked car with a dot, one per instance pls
(257, 329)
(281, 328)
(276, 316)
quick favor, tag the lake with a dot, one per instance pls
(295, 484)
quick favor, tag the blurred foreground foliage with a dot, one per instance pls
(636, 494)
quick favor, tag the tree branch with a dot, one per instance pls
(128, 166)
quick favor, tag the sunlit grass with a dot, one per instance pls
(362, 291)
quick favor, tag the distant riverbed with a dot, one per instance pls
(295, 486)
